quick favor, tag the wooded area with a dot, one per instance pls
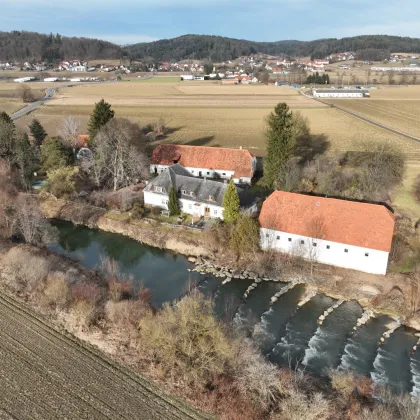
(32, 46)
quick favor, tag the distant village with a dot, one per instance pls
(242, 70)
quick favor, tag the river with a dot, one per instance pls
(285, 332)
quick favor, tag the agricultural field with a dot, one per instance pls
(47, 375)
(10, 105)
(145, 93)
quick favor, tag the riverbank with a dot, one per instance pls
(392, 294)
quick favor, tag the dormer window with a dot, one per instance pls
(211, 198)
(183, 192)
(158, 189)
(192, 194)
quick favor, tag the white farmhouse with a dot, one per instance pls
(327, 230)
(340, 93)
(199, 197)
(209, 162)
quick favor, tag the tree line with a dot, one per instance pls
(32, 46)
(218, 49)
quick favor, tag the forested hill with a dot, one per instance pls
(32, 46)
(28, 46)
(215, 48)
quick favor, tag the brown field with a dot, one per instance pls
(183, 94)
(397, 114)
(45, 374)
(10, 105)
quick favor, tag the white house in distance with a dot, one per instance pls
(199, 197)
(209, 162)
(327, 230)
(340, 93)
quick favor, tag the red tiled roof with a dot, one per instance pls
(348, 222)
(83, 140)
(237, 160)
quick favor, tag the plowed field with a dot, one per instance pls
(47, 375)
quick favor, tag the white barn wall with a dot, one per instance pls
(375, 263)
(187, 206)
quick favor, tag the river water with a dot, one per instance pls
(286, 333)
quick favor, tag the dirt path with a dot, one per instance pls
(45, 374)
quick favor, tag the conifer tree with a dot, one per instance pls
(25, 158)
(173, 202)
(37, 131)
(4, 116)
(102, 113)
(231, 205)
(281, 139)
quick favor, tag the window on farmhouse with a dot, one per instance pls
(267, 235)
(314, 244)
(278, 237)
(290, 239)
(215, 212)
(211, 198)
(302, 241)
(190, 206)
(158, 189)
(208, 173)
(346, 250)
(328, 247)
(366, 254)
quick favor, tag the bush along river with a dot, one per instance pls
(290, 323)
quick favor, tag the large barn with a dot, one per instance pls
(327, 230)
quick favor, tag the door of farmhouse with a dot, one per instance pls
(207, 212)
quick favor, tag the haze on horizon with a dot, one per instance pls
(266, 20)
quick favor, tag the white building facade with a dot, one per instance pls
(188, 206)
(340, 93)
(326, 252)
(332, 231)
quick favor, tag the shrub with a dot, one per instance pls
(417, 188)
(61, 182)
(298, 406)
(126, 313)
(27, 271)
(245, 235)
(256, 378)
(156, 211)
(56, 292)
(137, 211)
(85, 306)
(186, 340)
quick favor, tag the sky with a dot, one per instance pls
(131, 21)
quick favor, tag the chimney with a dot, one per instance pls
(240, 147)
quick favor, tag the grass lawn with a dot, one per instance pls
(404, 198)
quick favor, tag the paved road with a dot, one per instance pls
(34, 105)
(45, 374)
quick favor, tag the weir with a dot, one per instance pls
(324, 316)
(284, 290)
(388, 333)
(366, 316)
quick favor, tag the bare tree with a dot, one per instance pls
(118, 153)
(391, 77)
(69, 130)
(25, 93)
(316, 229)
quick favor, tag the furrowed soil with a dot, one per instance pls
(46, 374)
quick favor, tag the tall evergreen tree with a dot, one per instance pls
(54, 154)
(101, 114)
(281, 139)
(7, 141)
(173, 202)
(37, 131)
(25, 158)
(231, 205)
